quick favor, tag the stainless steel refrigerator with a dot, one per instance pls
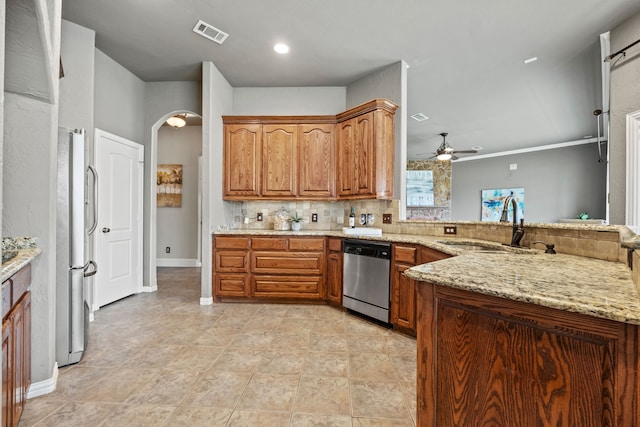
(72, 265)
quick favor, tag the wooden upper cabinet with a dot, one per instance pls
(242, 160)
(347, 156)
(279, 160)
(366, 151)
(364, 155)
(316, 161)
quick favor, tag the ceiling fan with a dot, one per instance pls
(446, 152)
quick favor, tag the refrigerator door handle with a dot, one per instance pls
(94, 172)
(90, 273)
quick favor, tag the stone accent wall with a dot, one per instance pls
(441, 190)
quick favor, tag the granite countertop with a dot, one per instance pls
(25, 249)
(582, 285)
(589, 286)
(434, 242)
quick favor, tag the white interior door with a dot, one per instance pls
(119, 233)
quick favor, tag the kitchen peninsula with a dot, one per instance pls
(517, 339)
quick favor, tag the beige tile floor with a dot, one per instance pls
(161, 359)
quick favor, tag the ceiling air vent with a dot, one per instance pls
(419, 117)
(210, 32)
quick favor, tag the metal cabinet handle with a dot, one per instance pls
(106, 229)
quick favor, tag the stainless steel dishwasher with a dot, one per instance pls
(366, 274)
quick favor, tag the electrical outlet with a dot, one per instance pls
(259, 216)
(387, 218)
(450, 229)
(314, 217)
(167, 250)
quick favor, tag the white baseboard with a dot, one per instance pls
(44, 387)
(150, 288)
(177, 262)
(206, 301)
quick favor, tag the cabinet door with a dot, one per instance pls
(231, 285)
(316, 160)
(346, 160)
(26, 372)
(364, 156)
(279, 160)
(281, 286)
(7, 374)
(18, 324)
(334, 278)
(242, 158)
(403, 307)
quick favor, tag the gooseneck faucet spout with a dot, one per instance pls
(518, 229)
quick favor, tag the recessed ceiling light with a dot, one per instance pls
(419, 117)
(588, 136)
(281, 48)
(530, 60)
(476, 147)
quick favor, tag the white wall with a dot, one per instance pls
(217, 101)
(390, 83)
(29, 190)
(119, 99)
(177, 227)
(295, 101)
(625, 98)
(558, 183)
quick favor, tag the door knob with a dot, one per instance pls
(106, 230)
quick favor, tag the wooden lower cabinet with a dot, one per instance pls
(403, 289)
(16, 347)
(484, 360)
(334, 271)
(274, 267)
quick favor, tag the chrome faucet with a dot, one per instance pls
(518, 229)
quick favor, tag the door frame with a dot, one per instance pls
(151, 266)
(97, 135)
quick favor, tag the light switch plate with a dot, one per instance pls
(387, 218)
(314, 217)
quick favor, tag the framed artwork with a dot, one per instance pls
(493, 202)
(419, 188)
(169, 186)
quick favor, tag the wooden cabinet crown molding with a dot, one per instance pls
(373, 105)
(277, 120)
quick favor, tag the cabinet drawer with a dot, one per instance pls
(231, 262)
(309, 263)
(232, 285)
(269, 243)
(335, 245)
(430, 255)
(224, 242)
(287, 286)
(21, 281)
(306, 244)
(407, 254)
(6, 297)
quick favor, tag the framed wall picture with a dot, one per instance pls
(169, 186)
(419, 188)
(493, 202)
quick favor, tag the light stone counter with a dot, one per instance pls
(578, 284)
(27, 250)
(582, 285)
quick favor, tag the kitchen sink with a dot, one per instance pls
(469, 246)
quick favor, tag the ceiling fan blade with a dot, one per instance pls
(454, 157)
(432, 157)
(465, 151)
